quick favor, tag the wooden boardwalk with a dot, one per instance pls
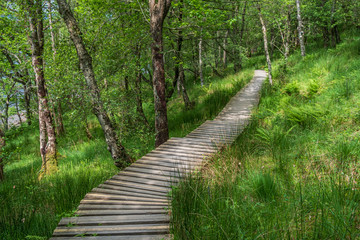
(133, 204)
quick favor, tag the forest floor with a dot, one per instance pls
(31, 209)
(294, 172)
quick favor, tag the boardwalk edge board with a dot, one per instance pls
(133, 204)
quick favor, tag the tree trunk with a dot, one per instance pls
(6, 118)
(300, 29)
(187, 102)
(27, 99)
(287, 36)
(47, 132)
(60, 130)
(200, 62)
(117, 151)
(158, 12)
(224, 49)
(2, 144)
(17, 110)
(268, 60)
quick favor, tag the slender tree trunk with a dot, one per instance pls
(2, 144)
(17, 110)
(47, 132)
(287, 35)
(187, 102)
(201, 62)
(6, 112)
(117, 151)
(224, 49)
(300, 29)
(27, 100)
(60, 130)
(158, 12)
(268, 60)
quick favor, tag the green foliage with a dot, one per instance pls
(292, 88)
(265, 187)
(304, 115)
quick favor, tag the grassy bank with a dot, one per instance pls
(31, 209)
(294, 172)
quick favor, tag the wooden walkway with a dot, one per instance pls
(133, 204)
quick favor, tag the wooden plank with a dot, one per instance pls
(122, 202)
(126, 192)
(207, 142)
(209, 135)
(188, 147)
(114, 207)
(153, 176)
(131, 232)
(157, 167)
(143, 181)
(107, 196)
(131, 189)
(138, 186)
(142, 237)
(179, 152)
(170, 163)
(176, 156)
(119, 212)
(115, 220)
(175, 159)
(155, 172)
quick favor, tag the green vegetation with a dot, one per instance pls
(294, 172)
(31, 209)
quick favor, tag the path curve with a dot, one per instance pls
(132, 204)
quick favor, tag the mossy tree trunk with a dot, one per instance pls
(47, 131)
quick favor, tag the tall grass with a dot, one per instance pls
(294, 172)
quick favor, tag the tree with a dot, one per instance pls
(267, 55)
(2, 145)
(300, 28)
(116, 149)
(158, 12)
(47, 131)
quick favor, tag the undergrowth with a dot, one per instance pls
(294, 171)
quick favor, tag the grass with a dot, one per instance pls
(294, 172)
(31, 209)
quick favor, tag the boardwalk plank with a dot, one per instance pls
(139, 237)
(112, 220)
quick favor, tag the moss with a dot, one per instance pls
(51, 165)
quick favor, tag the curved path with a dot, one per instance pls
(133, 204)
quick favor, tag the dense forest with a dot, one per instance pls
(88, 87)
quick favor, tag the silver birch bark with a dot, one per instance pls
(268, 60)
(300, 29)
